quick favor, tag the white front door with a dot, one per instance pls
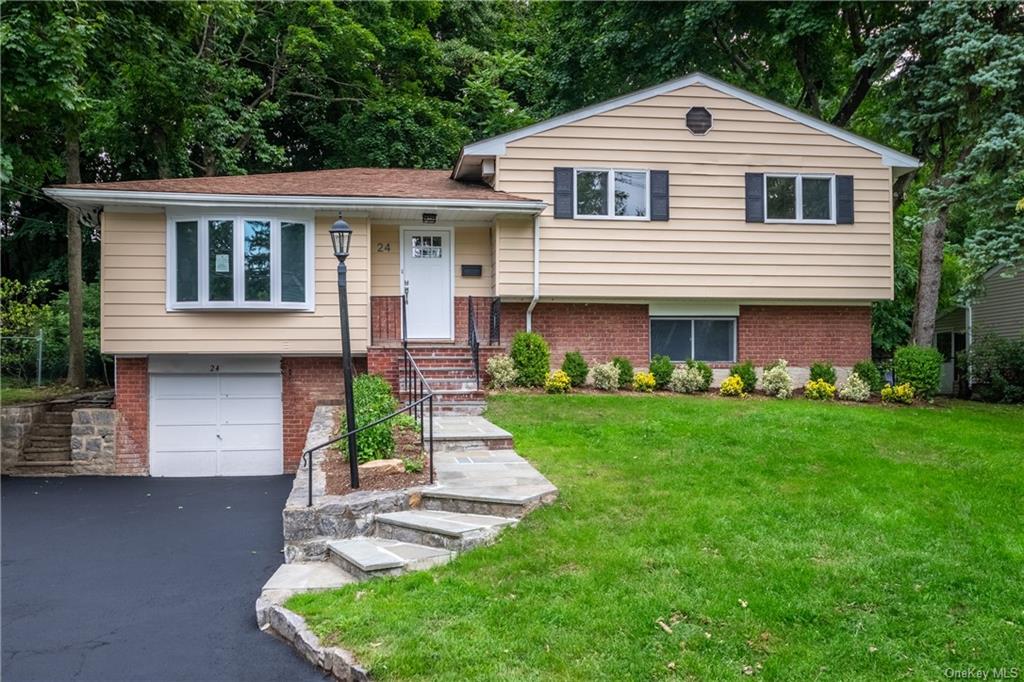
(215, 424)
(427, 282)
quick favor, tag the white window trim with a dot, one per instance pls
(611, 194)
(238, 261)
(800, 198)
(693, 341)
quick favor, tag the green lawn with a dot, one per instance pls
(13, 395)
(786, 539)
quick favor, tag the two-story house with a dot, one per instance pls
(692, 219)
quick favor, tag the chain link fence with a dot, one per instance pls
(21, 359)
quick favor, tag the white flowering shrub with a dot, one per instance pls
(502, 370)
(687, 379)
(776, 380)
(605, 377)
(855, 388)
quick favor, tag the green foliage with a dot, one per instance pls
(690, 378)
(576, 367)
(823, 371)
(373, 400)
(413, 466)
(605, 376)
(901, 393)
(869, 372)
(996, 368)
(776, 380)
(531, 357)
(558, 382)
(747, 374)
(707, 375)
(733, 386)
(855, 388)
(502, 370)
(625, 368)
(919, 366)
(819, 389)
(662, 368)
(644, 382)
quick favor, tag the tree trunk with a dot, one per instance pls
(76, 342)
(929, 278)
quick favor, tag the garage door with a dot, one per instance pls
(215, 424)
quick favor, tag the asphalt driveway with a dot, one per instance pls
(141, 579)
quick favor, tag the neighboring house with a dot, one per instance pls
(692, 219)
(998, 310)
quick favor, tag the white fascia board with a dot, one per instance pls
(102, 197)
(495, 146)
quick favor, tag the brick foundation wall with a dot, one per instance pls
(131, 381)
(385, 319)
(482, 314)
(804, 334)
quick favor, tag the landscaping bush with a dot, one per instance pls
(686, 379)
(819, 389)
(855, 388)
(373, 400)
(625, 368)
(706, 374)
(997, 369)
(558, 382)
(605, 377)
(776, 380)
(747, 374)
(532, 358)
(662, 368)
(576, 367)
(732, 386)
(869, 372)
(502, 370)
(919, 366)
(901, 393)
(644, 382)
(823, 371)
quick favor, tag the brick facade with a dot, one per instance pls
(385, 319)
(131, 380)
(804, 334)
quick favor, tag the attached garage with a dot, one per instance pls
(215, 416)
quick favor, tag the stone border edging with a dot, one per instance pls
(291, 627)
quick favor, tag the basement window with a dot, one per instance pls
(711, 339)
(244, 262)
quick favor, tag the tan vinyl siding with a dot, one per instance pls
(472, 246)
(706, 250)
(1000, 310)
(386, 265)
(134, 312)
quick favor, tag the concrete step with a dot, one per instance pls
(463, 408)
(451, 385)
(447, 530)
(466, 371)
(500, 499)
(369, 557)
(303, 576)
(441, 359)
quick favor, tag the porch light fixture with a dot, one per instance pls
(429, 218)
(341, 238)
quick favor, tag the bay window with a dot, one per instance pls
(240, 262)
(711, 339)
(799, 198)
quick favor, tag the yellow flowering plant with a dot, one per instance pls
(644, 382)
(558, 382)
(732, 386)
(901, 393)
(819, 389)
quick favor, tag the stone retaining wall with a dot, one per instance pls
(94, 440)
(15, 425)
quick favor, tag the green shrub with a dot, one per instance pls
(706, 374)
(502, 371)
(373, 400)
(625, 368)
(819, 389)
(919, 366)
(776, 380)
(413, 466)
(823, 371)
(558, 382)
(686, 379)
(855, 388)
(869, 372)
(605, 376)
(733, 386)
(747, 374)
(644, 382)
(902, 393)
(997, 369)
(662, 368)
(576, 367)
(532, 358)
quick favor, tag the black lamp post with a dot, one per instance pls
(341, 237)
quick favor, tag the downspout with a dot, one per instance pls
(536, 273)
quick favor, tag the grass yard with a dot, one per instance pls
(783, 539)
(13, 395)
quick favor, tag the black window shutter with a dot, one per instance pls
(755, 197)
(844, 199)
(659, 195)
(563, 192)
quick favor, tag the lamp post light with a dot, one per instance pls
(341, 238)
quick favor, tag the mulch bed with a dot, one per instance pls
(407, 447)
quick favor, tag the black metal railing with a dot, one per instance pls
(474, 342)
(495, 335)
(416, 398)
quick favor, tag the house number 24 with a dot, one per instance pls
(383, 247)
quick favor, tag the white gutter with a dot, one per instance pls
(107, 197)
(536, 273)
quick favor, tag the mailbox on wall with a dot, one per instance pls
(472, 270)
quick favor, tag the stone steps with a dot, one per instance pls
(372, 557)
(43, 468)
(447, 530)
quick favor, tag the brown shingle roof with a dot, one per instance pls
(400, 183)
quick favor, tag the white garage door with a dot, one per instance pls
(215, 424)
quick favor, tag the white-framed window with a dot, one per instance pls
(249, 261)
(711, 339)
(799, 198)
(608, 193)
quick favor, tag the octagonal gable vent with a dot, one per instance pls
(698, 120)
